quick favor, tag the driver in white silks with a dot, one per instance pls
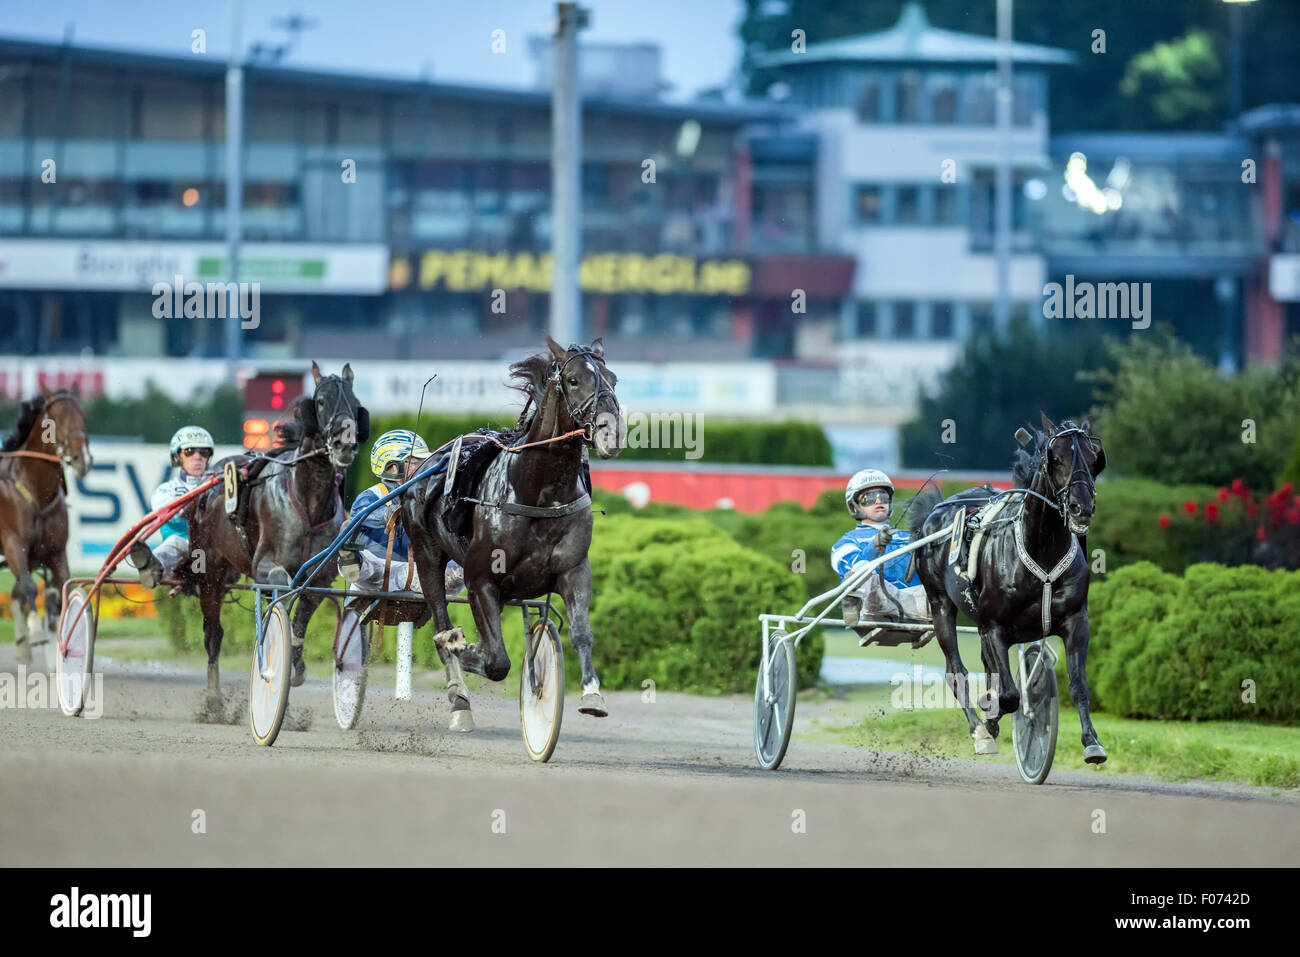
(870, 499)
(191, 452)
(361, 560)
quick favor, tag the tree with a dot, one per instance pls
(1179, 85)
(999, 383)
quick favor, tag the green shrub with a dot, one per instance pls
(1165, 646)
(1127, 526)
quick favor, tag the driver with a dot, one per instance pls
(361, 560)
(191, 451)
(869, 497)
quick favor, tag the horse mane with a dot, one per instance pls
(31, 410)
(287, 431)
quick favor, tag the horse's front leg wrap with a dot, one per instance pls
(453, 639)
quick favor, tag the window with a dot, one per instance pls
(945, 105)
(909, 98)
(904, 320)
(981, 93)
(869, 102)
(867, 204)
(909, 204)
(941, 320)
(866, 319)
(945, 204)
(1022, 101)
(981, 318)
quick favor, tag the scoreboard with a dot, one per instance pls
(268, 397)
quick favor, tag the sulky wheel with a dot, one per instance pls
(774, 702)
(541, 691)
(268, 679)
(74, 652)
(1034, 738)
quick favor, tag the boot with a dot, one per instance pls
(151, 570)
(299, 668)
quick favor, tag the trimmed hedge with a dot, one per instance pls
(1180, 647)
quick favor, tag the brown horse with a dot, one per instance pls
(50, 434)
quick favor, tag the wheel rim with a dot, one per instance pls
(539, 709)
(770, 715)
(72, 665)
(1033, 735)
(267, 687)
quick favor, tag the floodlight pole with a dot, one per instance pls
(234, 182)
(566, 177)
(1002, 223)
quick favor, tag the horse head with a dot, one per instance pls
(335, 415)
(1070, 458)
(63, 425)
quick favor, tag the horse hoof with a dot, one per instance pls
(594, 705)
(1094, 754)
(984, 742)
(462, 720)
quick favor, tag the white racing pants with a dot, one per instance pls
(879, 597)
(174, 550)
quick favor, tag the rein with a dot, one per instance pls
(33, 455)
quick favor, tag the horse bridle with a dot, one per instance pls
(1061, 495)
(61, 447)
(588, 407)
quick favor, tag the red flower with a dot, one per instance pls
(1261, 534)
(1212, 512)
(1223, 494)
(1297, 501)
(1293, 516)
(1238, 487)
(1287, 489)
(1252, 509)
(1190, 508)
(1163, 521)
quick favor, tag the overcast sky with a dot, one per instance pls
(449, 38)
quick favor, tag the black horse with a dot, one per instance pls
(1032, 549)
(529, 529)
(291, 511)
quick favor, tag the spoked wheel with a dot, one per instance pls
(351, 661)
(76, 661)
(541, 691)
(1034, 738)
(774, 703)
(268, 679)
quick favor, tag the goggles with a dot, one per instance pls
(205, 452)
(873, 496)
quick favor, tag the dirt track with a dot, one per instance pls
(672, 782)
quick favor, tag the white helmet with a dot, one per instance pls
(867, 478)
(190, 437)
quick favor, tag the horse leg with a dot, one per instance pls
(210, 592)
(27, 630)
(431, 564)
(944, 615)
(1076, 634)
(308, 602)
(574, 587)
(54, 591)
(487, 656)
(1001, 697)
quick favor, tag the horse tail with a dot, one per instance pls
(921, 506)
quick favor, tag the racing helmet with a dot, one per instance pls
(394, 445)
(865, 479)
(189, 437)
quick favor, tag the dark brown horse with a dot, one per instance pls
(50, 434)
(512, 548)
(1032, 579)
(293, 511)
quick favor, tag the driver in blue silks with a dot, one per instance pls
(869, 497)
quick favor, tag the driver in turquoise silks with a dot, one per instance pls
(869, 497)
(191, 453)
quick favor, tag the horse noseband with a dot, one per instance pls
(589, 406)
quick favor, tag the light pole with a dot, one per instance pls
(1002, 220)
(566, 177)
(1234, 55)
(234, 182)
